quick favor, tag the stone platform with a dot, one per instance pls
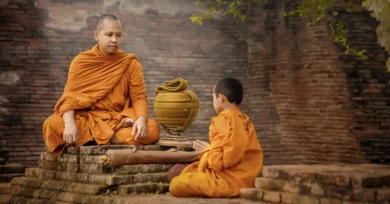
(322, 184)
(78, 176)
(7, 171)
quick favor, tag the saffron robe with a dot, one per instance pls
(103, 90)
(232, 161)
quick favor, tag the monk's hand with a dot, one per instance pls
(128, 122)
(70, 135)
(139, 128)
(200, 146)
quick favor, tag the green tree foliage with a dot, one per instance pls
(311, 10)
(381, 11)
(210, 8)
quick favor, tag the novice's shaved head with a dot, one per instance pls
(100, 20)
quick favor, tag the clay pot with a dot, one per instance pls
(176, 111)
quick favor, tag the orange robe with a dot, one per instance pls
(103, 90)
(232, 161)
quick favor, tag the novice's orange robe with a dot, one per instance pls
(232, 161)
(103, 90)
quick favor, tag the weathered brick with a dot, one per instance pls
(271, 196)
(329, 201)
(12, 169)
(383, 195)
(157, 188)
(251, 193)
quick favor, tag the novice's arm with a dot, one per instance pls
(228, 144)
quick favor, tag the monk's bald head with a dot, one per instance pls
(108, 34)
(101, 19)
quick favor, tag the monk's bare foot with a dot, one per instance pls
(200, 146)
(104, 160)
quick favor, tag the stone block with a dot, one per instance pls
(251, 194)
(95, 168)
(72, 150)
(68, 158)
(142, 168)
(67, 197)
(40, 173)
(33, 182)
(5, 188)
(5, 198)
(5, 178)
(361, 195)
(16, 189)
(272, 196)
(293, 198)
(47, 194)
(383, 195)
(371, 181)
(333, 179)
(152, 177)
(157, 188)
(329, 201)
(90, 159)
(82, 177)
(288, 186)
(65, 176)
(12, 169)
(20, 199)
(270, 184)
(337, 192)
(47, 156)
(69, 187)
(18, 180)
(52, 185)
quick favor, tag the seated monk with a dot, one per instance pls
(104, 100)
(234, 157)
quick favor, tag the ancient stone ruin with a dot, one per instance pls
(7, 171)
(79, 176)
(322, 184)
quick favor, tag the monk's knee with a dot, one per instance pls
(153, 130)
(53, 123)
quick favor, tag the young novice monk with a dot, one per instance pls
(234, 157)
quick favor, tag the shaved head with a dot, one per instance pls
(108, 34)
(99, 22)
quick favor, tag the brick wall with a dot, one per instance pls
(39, 40)
(312, 103)
(309, 102)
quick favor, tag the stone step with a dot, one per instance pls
(3, 161)
(12, 169)
(55, 185)
(106, 179)
(21, 199)
(356, 176)
(328, 191)
(5, 188)
(155, 188)
(4, 178)
(379, 196)
(101, 169)
(5, 198)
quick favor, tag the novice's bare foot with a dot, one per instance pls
(200, 146)
(128, 122)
